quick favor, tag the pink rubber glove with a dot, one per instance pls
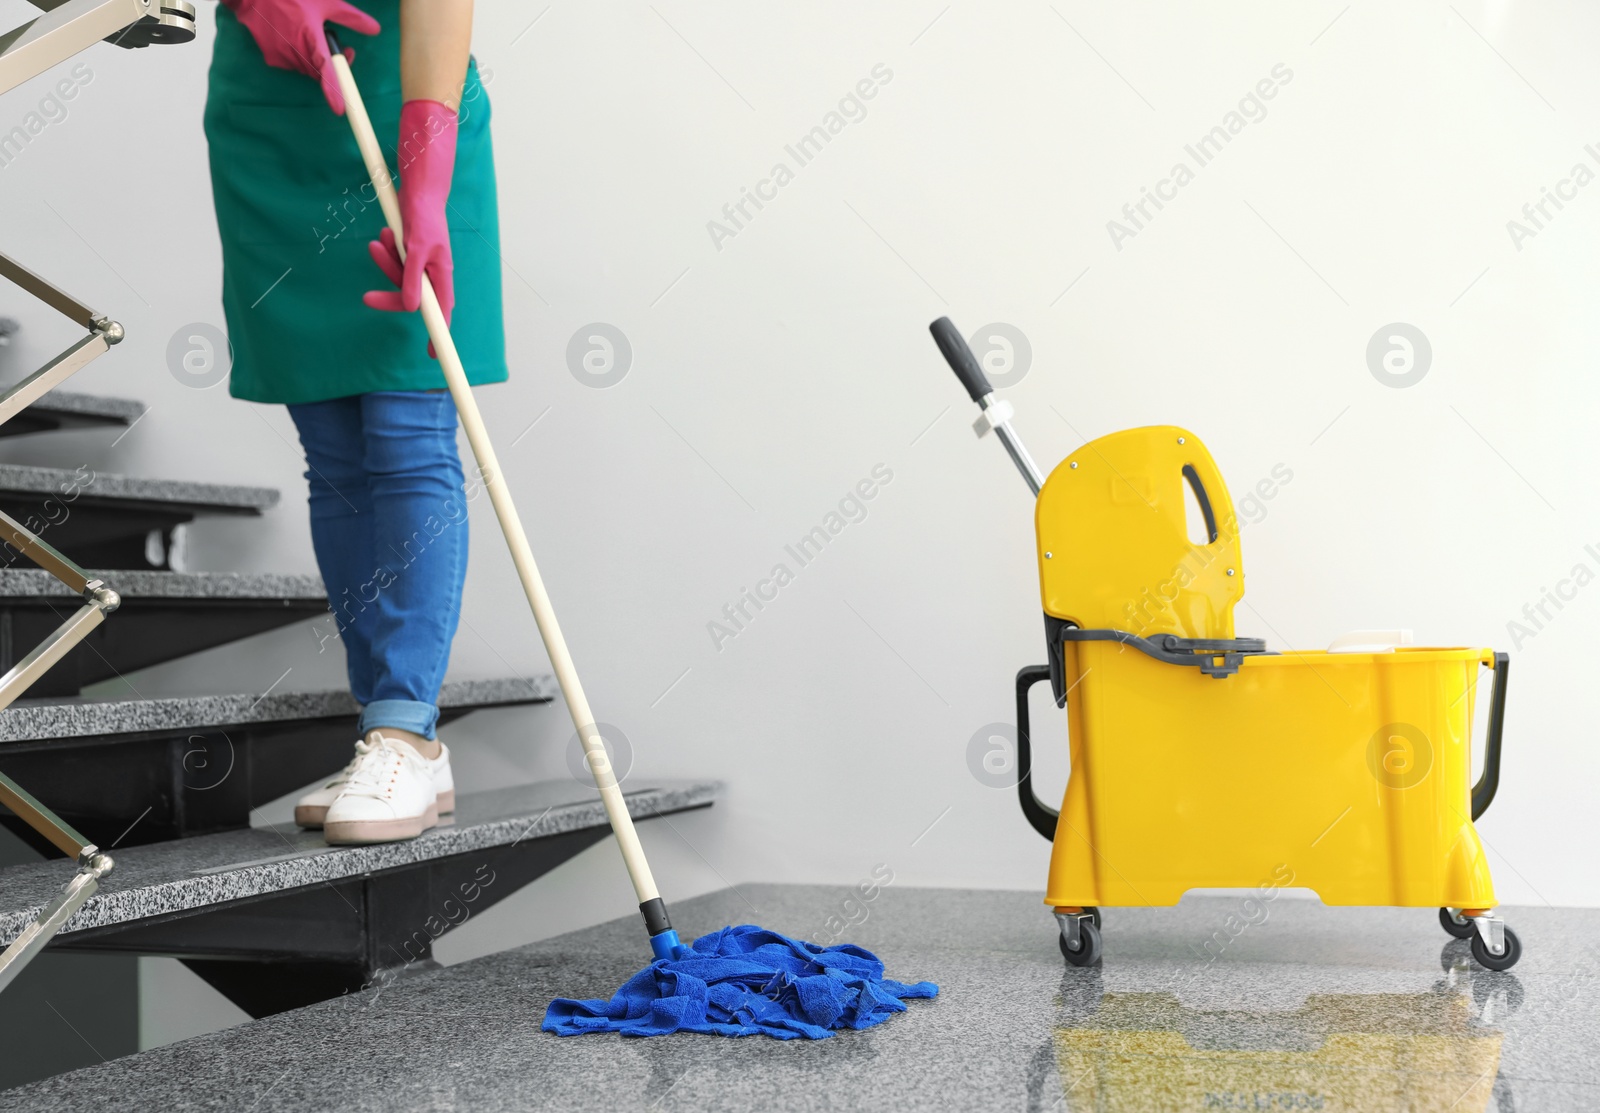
(291, 36)
(428, 141)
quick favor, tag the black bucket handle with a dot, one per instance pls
(1489, 780)
(1039, 814)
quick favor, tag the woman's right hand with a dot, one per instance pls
(291, 36)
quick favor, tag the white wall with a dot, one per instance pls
(772, 374)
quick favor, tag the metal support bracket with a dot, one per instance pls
(70, 26)
(103, 333)
(52, 916)
(99, 601)
(92, 866)
(1492, 930)
(1070, 933)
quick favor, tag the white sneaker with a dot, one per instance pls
(312, 809)
(390, 794)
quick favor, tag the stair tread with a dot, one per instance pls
(31, 479)
(78, 717)
(137, 583)
(184, 874)
(126, 410)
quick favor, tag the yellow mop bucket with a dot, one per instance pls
(1200, 759)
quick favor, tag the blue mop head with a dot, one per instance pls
(741, 981)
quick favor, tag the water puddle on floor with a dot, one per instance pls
(1291, 1048)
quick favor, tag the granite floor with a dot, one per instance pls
(1311, 1008)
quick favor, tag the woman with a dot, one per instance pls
(296, 213)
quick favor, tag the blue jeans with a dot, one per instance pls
(389, 526)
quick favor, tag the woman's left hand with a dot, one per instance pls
(428, 155)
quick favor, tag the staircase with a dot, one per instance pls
(271, 917)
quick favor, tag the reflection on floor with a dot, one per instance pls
(1310, 1008)
(1411, 1051)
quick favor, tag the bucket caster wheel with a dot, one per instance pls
(1455, 924)
(1504, 961)
(1094, 914)
(1088, 950)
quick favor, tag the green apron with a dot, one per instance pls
(295, 210)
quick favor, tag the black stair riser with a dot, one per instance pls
(285, 950)
(42, 419)
(135, 789)
(142, 632)
(102, 533)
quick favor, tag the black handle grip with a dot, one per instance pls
(1489, 781)
(960, 357)
(1041, 816)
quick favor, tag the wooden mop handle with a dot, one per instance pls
(489, 468)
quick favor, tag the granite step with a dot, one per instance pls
(275, 918)
(147, 770)
(117, 521)
(26, 479)
(66, 409)
(33, 720)
(163, 616)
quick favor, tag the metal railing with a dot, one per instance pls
(65, 28)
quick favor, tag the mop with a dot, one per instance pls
(737, 981)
